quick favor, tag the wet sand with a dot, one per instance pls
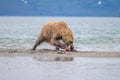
(53, 53)
(81, 68)
(44, 64)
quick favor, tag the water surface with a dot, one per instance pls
(91, 33)
(28, 68)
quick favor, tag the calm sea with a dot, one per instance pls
(91, 33)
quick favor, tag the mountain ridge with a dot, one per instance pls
(59, 8)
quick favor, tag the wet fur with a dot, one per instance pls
(53, 32)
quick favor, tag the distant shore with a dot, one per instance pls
(53, 53)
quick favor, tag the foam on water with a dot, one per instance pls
(91, 34)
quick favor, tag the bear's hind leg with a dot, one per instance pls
(38, 42)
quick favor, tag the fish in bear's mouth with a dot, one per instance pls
(67, 47)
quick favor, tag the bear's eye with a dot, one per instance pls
(70, 42)
(59, 37)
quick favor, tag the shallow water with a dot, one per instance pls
(84, 68)
(91, 33)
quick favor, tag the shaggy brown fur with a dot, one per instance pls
(54, 31)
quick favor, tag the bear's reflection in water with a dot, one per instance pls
(39, 58)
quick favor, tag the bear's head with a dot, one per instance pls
(68, 40)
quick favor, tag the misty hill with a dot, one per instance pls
(59, 8)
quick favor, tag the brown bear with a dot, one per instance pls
(57, 34)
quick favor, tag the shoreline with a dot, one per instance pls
(53, 53)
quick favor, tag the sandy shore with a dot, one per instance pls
(44, 64)
(53, 53)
